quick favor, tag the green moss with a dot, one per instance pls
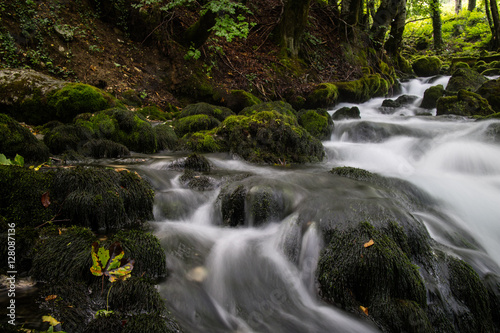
(353, 173)
(466, 103)
(103, 148)
(491, 91)
(21, 190)
(66, 137)
(379, 277)
(195, 123)
(166, 137)
(65, 256)
(134, 296)
(218, 112)
(76, 98)
(466, 79)
(147, 252)
(16, 139)
(461, 65)
(467, 287)
(324, 95)
(105, 324)
(280, 107)
(427, 66)
(237, 100)
(431, 95)
(317, 122)
(151, 322)
(154, 113)
(203, 142)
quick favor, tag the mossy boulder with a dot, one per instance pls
(154, 113)
(22, 190)
(464, 78)
(66, 137)
(378, 276)
(151, 322)
(317, 122)
(218, 112)
(346, 113)
(166, 137)
(237, 100)
(466, 103)
(199, 182)
(203, 142)
(102, 199)
(280, 107)
(323, 95)
(361, 90)
(194, 162)
(427, 66)
(17, 139)
(270, 137)
(103, 148)
(431, 95)
(195, 123)
(491, 91)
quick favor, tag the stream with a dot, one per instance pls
(261, 277)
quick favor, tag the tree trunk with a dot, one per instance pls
(496, 23)
(393, 44)
(436, 25)
(197, 34)
(387, 12)
(472, 5)
(292, 26)
(458, 6)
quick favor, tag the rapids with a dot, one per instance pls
(262, 278)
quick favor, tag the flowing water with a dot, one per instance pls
(262, 278)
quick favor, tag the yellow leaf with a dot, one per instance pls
(50, 297)
(365, 310)
(369, 243)
(51, 320)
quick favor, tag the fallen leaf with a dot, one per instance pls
(51, 320)
(46, 199)
(50, 297)
(369, 243)
(365, 310)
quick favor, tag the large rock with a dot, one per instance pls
(431, 95)
(464, 78)
(427, 66)
(466, 103)
(346, 113)
(317, 122)
(17, 139)
(491, 91)
(36, 98)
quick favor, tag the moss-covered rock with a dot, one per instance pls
(17, 139)
(361, 90)
(491, 91)
(218, 112)
(270, 137)
(194, 162)
(427, 66)
(22, 190)
(280, 107)
(195, 123)
(105, 324)
(103, 148)
(154, 113)
(323, 95)
(317, 122)
(379, 277)
(466, 103)
(467, 79)
(102, 199)
(64, 256)
(203, 142)
(237, 100)
(346, 113)
(66, 137)
(166, 137)
(145, 249)
(198, 182)
(431, 95)
(134, 296)
(151, 322)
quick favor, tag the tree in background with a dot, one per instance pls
(291, 27)
(436, 24)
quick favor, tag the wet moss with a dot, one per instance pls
(102, 199)
(203, 142)
(323, 95)
(491, 91)
(218, 112)
(195, 123)
(377, 277)
(66, 137)
(105, 324)
(146, 250)
(104, 149)
(134, 296)
(466, 79)
(427, 66)
(233, 207)
(65, 256)
(21, 190)
(166, 137)
(317, 122)
(467, 287)
(431, 95)
(346, 113)
(154, 113)
(16, 139)
(237, 100)
(151, 322)
(466, 103)
(353, 173)
(197, 182)
(280, 107)
(76, 98)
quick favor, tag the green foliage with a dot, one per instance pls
(110, 262)
(18, 160)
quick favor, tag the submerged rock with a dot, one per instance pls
(431, 95)
(346, 113)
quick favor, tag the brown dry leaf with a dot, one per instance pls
(365, 310)
(46, 199)
(369, 243)
(50, 297)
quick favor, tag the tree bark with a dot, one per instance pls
(197, 34)
(390, 13)
(393, 44)
(472, 5)
(292, 26)
(436, 25)
(458, 6)
(496, 23)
